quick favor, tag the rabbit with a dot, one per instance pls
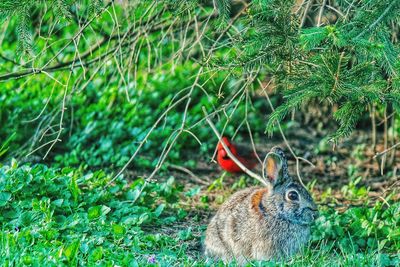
(270, 223)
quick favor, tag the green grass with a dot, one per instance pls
(64, 217)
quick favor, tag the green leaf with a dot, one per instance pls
(97, 254)
(4, 198)
(71, 251)
(159, 210)
(73, 187)
(94, 212)
(118, 230)
(97, 211)
(58, 202)
(4, 147)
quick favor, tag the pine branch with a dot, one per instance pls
(378, 20)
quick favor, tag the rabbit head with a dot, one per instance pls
(287, 199)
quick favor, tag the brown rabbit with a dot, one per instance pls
(263, 223)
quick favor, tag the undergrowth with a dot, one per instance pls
(64, 217)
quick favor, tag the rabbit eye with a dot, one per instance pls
(293, 195)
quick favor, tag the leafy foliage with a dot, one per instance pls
(67, 217)
(48, 212)
(349, 61)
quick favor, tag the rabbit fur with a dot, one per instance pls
(268, 223)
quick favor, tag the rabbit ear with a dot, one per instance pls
(273, 167)
(277, 150)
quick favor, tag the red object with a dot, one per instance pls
(248, 158)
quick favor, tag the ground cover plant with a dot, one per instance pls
(106, 155)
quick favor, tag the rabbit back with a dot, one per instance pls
(224, 235)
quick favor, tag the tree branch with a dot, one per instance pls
(230, 154)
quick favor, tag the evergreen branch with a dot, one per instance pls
(224, 8)
(378, 20)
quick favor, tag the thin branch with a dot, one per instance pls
(386, 150)
(321, 11)
(230, 154)
(146, 138)
(303, 19)
(187, 171)
(284, 138)
(97, 46)
(336, 10)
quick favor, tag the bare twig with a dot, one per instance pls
(304, 17)
(160, 118)
(373, 122)
(284, 137)
(230, 154)
(187, 171)
(392, 141)
(388, 117)
(385, 140)
(67, 65)
(178, 132)
(44, 107)
(336, 10)
(321, 11)
(386, 150)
